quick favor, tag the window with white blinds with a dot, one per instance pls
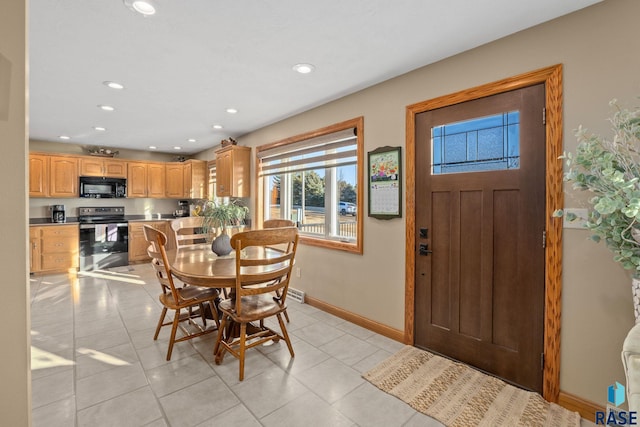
(314, 180)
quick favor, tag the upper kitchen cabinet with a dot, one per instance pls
(63, 176)
(156, 180)
(136, 179)
(186, 180)
(233, 165)
(195, 179)
(146, 179)
(103, 167)
(38, 175)
(175, 180)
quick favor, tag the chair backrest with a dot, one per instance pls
(278, 223)
(267, 269)
(189, 231)
(157, 241)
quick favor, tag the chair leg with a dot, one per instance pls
(243, 338)
(214, 312)
(202, 315)
(164, 313)
(286, 316)
(217, 350)
(285, 335)
(174, 328)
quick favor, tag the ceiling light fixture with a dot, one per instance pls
(177, 148)
(99, 128)
(64, 137)
(113, 85)
(231, 110)
(217, 126)
(152, 147)
(191, 140)
(143, 7)
(303, 68)
(106, 107)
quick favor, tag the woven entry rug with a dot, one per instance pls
(458, 395)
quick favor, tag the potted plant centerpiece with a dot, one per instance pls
(610, 169)
(221, 216)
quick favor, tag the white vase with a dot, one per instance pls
(635, 289)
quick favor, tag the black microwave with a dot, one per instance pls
(102, 188)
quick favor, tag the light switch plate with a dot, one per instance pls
(580, 221)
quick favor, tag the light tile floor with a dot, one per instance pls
(94, 363)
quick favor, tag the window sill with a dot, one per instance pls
(355, 247)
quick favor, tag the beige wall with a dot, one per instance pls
(15, 402)
(596, 47)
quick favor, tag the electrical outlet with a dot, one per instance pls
(579, 222)
(298, 272)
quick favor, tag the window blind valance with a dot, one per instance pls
(331, 150)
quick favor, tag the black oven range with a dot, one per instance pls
(104, 237)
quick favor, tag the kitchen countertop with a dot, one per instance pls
(129, 218)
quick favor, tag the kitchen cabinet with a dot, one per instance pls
(53, 176)
(138, 244)
(63, 176)
(111, 168)
(146, 179)
(54, 248)
(38, 175)
(175, 180)
(136, 179)
(156, 179)
(35, 255)
(233, 165)
(195, 179)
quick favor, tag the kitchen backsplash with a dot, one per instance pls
(40, 207)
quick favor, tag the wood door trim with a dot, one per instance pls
(552, 78)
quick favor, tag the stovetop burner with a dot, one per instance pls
(101, 215)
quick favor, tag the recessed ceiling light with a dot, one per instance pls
(106, 107)
(303, 68)
(152, 147)
(144, 7)
(177, 148)
(64, 137)
(113, 85)
(217, 126)
(191, 140)
(99, 128)
(231, 110)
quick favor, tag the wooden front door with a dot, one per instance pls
(480, 224)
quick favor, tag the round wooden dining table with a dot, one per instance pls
(198, 265)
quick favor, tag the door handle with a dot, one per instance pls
(424, 249)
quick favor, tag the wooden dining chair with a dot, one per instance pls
(189, 231)
(178, 299)
(279, 223)
(260, 292)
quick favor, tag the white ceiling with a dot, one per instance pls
(185, 65)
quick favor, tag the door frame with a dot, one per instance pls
(552, 78)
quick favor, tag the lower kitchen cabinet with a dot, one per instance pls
(138, 244)
(54, 248)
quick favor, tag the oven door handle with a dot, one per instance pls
(91, 226)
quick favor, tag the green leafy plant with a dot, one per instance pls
(220, 215)
(610, 169)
